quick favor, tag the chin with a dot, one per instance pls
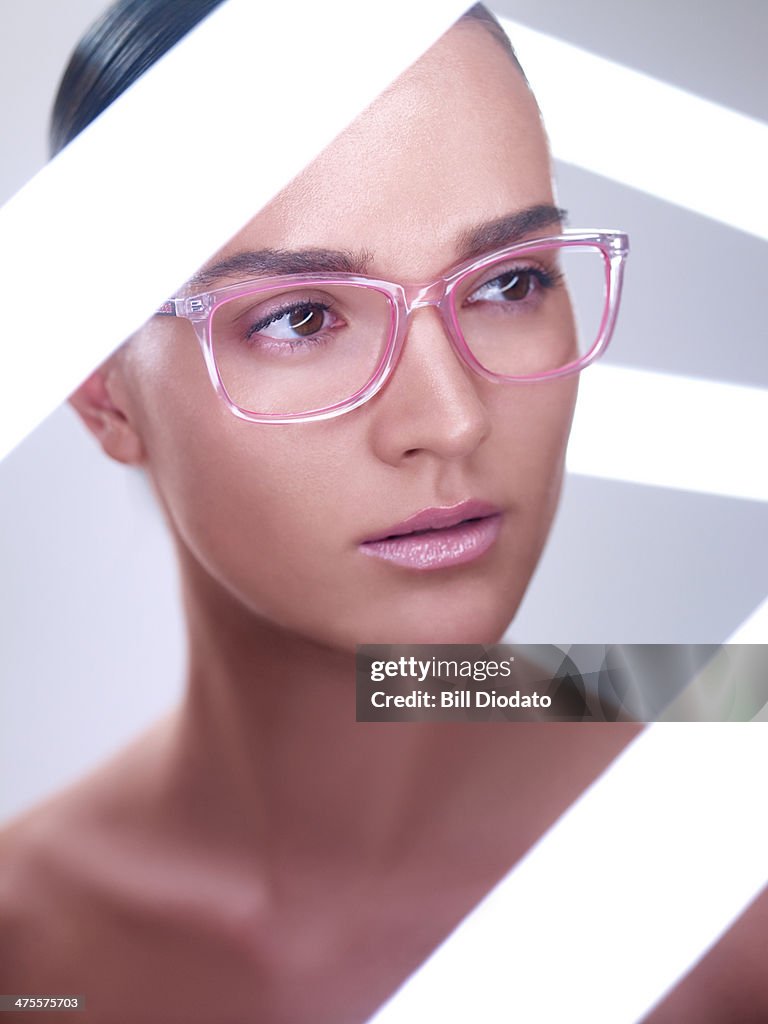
(443, 623)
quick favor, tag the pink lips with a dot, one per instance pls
(437, 538)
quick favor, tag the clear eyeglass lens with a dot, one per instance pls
(295, 349)
(536, 312)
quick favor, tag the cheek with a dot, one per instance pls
(257, 506)
(532, 436)
(532, 422)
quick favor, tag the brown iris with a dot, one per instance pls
(306, 320)
(516, 284)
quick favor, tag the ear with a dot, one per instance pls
(98, 404)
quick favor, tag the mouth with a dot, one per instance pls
(438, 538)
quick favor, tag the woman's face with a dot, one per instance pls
(275, 514)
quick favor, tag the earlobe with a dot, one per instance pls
(95, 404)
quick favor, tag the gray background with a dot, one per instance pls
(90, 634)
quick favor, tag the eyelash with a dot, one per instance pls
(288, 345)
(279, 313)
(546, 279)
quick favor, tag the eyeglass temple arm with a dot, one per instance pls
(167, 309)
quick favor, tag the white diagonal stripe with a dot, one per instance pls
(754, 629)
(671, 431)
(619, 898)
(652, 136)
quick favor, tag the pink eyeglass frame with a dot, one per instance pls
(404, 299)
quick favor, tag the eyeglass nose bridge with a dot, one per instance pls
(436, 293)
(419, 295)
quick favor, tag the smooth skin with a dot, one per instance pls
(259, 855)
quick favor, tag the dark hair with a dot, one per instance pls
(127, 39)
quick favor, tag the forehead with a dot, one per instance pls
(454, 142)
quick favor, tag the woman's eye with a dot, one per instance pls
(512, 286)
(305, 320)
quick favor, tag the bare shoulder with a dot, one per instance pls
(58, 873)
(98, 899)
(29, 889)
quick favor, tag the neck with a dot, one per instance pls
(267, 756)
(268, 733)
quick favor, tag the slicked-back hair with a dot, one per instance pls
(128, 38)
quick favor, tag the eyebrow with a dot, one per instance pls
(496, 234)
(485, 237)
(284, 261)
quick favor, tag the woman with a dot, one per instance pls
(259, 855)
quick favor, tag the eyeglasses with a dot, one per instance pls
(303, 347)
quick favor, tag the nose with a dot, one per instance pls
(431, 406)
